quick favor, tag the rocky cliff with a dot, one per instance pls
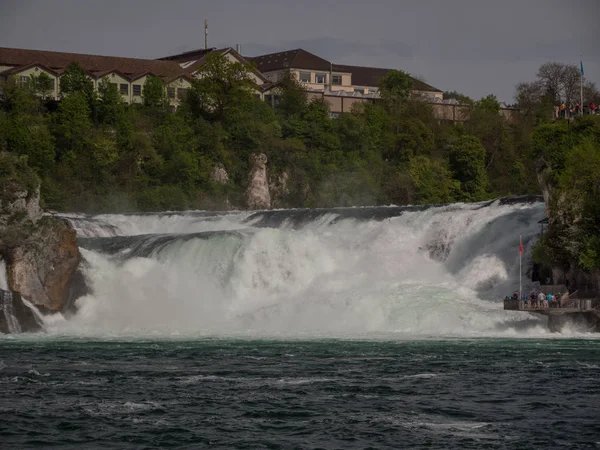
(560, 226)
(40, 254)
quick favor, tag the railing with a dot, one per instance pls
(565, 303)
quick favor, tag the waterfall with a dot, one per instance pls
(8, 309)
(435, 270)
(3, 275)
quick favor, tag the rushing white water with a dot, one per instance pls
(436, 271)
(3, 276)
(8, 310)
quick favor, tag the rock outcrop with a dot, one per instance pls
(40, 254)
(41, 267)
(257, 194)
(279, 189)
(219, 175)
(18, 205)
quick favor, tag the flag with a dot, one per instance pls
(581, 64)
(520, 245)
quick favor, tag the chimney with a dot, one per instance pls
(238, 48)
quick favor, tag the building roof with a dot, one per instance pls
(58, 61)
(18, 69)
(167, 68)
(189, 55)
(192, 60)
(291, 59)
(301, 59)
(370, 76)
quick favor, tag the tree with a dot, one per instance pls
(72, 124)
(111, 106)
(293, 99)
(75, 80)
(395, 87)
(489, 103)
(40, 85)
(221, 86)
(560, 81)
(432, 180)
(462, 98)
(467, 163)
(153, 93)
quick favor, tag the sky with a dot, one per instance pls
(477, 47)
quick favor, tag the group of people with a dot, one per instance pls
(538, 300)
(572, 110)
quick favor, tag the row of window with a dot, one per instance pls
(137, 91)
(123, 89)
(320, 78)
(181, 93)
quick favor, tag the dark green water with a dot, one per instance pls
(462, 394)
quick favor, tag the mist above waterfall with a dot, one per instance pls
(424, 271)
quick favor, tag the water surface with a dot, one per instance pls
(60, 392)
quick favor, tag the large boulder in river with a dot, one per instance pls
(41, 267)
(40, 253)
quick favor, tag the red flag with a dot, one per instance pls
(520, 245)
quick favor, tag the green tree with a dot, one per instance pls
(462, 98)
(467, 163)
(75, 80)
(72, 125)
(111, 107)
(220, 86)
(293, 98)
(432, 180)
(153, 93)
(489, 104)
(41, 85)
(395, 87)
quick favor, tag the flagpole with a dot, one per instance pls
(520, 271)
(581, 93)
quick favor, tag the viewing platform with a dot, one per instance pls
(581, 306)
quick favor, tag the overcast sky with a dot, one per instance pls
(473, 46)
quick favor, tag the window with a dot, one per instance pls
(124, 89)
(171, 92)
(181, 93)
(304, 77)
(52, 84)
(276, 100)
(268, 99)
(320, 78)
(361, 91)
(24, 79)
(337, 80)
(137, 90)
